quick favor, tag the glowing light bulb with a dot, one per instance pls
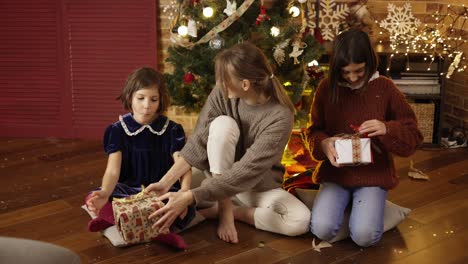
(274, 31)
(182, 30)
(208, 11)
(294, 11)
(313, 63)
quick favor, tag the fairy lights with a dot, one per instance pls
(443, 34)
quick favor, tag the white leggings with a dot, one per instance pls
(275, 210)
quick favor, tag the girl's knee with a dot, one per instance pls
(323, 229)
(366, 236)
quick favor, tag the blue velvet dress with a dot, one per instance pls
(146, 154)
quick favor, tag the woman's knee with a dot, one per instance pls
(365, 236)
(224, 129)
(298, 226)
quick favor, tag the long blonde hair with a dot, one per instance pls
(246, 61)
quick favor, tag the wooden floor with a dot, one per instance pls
(44, 181)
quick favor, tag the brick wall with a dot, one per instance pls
(455, 103)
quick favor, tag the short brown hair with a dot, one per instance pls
(141, 78)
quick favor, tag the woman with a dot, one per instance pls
(240, 137)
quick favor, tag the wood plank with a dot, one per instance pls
(32, 213)
(55, 175)
(442, 252)
(442, 207)
(255, 255)
(401, 245)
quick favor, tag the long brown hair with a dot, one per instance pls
(246, 61)
(141, 78)
(351, 46)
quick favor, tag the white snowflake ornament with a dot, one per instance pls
(400, 20)
(331, 15)
(278, 51)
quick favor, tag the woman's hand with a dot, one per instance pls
(373, 128)
(97, 201)
(159, 188)
(176, 204)
(328, 147)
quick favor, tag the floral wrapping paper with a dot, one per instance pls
(131, 217)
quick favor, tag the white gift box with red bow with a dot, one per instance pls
(353, 151)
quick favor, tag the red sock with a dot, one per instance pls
(172, 240)
(104, 220)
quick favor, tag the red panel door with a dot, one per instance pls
(108, 39)
(31, 70)
(63, 63)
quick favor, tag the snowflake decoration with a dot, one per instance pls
(331, 16)
(400, 20)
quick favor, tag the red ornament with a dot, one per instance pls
(315, 72)
(189, 78)
(262, 16)
(306, 32)
(318, 35)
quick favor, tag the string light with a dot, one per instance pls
(274, 31)
(294, 11)
(446, 37)
(313, 63)
(182, 30)
(208, 12)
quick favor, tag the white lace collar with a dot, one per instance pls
(133, 128)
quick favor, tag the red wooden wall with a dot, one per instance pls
(63, 63)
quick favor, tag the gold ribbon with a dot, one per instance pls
(134, 198)
(219, 28)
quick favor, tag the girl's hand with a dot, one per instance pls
(159, 188)
(176, 204)
(97, 201)
(328, 147)
(373, 128)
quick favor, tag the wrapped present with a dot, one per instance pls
(131, 217)
(353, 150)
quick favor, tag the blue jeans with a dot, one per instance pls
(367, 213)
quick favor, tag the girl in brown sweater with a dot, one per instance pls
(354, 95)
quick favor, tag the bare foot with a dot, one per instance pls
(226, 229)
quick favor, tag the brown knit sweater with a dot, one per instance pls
(381, 100)
(264, 132)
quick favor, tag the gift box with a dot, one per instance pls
(131, 217)
(353, 151)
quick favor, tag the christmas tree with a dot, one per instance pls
(202, 28)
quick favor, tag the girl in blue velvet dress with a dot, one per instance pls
(142, 146)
